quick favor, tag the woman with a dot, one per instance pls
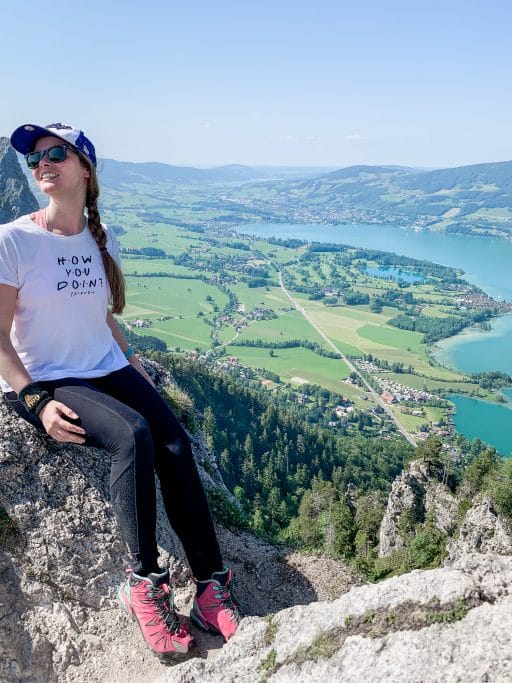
(66, 368)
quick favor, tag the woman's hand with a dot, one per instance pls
(53, 416)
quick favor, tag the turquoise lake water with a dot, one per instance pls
(394, 274)
(485, 262)
(476, 350)
(488, 422)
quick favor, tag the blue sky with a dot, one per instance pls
(322, 82)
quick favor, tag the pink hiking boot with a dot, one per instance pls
(150, 601)
(215, 607)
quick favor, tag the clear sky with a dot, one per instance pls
(272, 82)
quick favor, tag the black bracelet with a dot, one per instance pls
(34, 397)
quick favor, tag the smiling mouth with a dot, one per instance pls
(49, 176)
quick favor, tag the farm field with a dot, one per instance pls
(357, 330)
(185, 333)
(412, 422)
(296, 363)
(288, 325)
(170, 296)
(273, 297)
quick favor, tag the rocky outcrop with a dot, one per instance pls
(61, 561)
(417, 491)
(16, 199)
(482, 530)
(308, 618)
(451, 624)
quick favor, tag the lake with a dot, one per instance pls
(485, 262)
(477, 350)
(394, 273)
(488, 422)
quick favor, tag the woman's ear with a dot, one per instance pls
(87, 173)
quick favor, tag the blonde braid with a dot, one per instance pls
(112, 271)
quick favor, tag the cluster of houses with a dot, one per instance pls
(369, 367)
(140, 322)
(393, 392)
(258, 313)
(481, 302)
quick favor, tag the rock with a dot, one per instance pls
(416, 491)
(448, 624)
(16, 199)
(482, 530)
(61, 561)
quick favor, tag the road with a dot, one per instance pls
(349, 364)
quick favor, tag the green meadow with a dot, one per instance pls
(295, 365)
(191, 317)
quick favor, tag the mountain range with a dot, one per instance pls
(475, 199)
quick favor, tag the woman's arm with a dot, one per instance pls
(53, 415)
(119, 337)
(11, 368)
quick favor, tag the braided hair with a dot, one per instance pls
(113, 272)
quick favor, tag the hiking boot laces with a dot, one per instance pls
(226, 596)
(162, 601)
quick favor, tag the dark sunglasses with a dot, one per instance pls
(55, 154)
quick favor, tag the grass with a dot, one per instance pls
(288, 325)
(355, 330)
(273, 297)
(288, 363)
(390, 336)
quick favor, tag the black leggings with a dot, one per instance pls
(123, 414)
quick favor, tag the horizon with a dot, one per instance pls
(323, 84)
(394, 165)
(390, 165)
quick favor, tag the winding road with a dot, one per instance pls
(349, 364)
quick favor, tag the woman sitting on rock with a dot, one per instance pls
(67, 369)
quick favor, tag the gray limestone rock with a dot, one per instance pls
(482, 530)
(449, 624)
(416, 491)
(16, 199)
(61, 561)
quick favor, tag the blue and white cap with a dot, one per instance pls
(25, 137)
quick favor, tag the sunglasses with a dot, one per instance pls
(55, 154)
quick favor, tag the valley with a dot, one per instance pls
(214, 295)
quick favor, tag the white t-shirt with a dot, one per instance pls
(59, 328)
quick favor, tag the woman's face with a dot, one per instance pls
(65, 177)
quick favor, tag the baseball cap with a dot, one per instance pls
(25, 137)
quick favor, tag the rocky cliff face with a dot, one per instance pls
(416, 492)
(482, 530)
(449, 625)
(16, 199)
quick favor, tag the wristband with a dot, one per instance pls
(129, 352)
(34, 397)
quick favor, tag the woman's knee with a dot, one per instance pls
(131, 434)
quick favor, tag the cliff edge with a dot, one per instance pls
(308, 618)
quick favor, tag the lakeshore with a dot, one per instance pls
(486, 264)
